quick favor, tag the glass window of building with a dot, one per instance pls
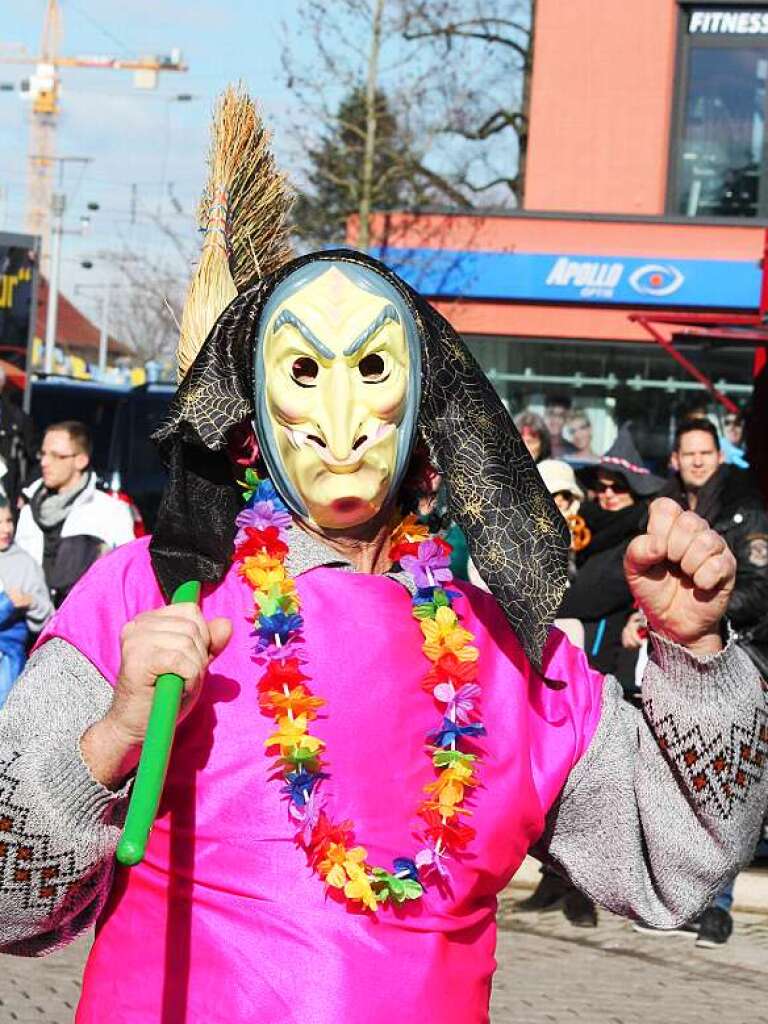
(718, 165)
(614, 383)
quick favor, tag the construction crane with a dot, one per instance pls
(45, 93)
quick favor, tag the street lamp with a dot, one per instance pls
(106, 301)
(58, 206)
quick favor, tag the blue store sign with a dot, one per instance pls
(557, 277)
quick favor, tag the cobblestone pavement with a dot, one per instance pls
(42, 990)
(548, 972)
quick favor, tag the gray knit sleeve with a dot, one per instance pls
(41, 608)
(58, 826)
(666, 804)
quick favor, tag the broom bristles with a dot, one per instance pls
(243, 213)
(211, 291)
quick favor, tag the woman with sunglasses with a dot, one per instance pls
(599, 595)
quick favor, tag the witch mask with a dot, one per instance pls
(336, 382)
(340, 365)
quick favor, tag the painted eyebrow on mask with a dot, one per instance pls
(388, 315)
(287, 318)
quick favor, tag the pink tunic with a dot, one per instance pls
(224, 922)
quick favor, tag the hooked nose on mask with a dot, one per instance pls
(355, 450)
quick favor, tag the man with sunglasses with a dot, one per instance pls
(68, 523)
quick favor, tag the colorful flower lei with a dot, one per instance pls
(260, 552)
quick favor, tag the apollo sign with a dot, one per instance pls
(585, 273)
(598, 279)
(580, 278)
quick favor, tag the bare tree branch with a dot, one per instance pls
(482, 55)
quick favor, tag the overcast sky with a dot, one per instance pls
(134, 137)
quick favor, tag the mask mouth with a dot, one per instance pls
(352, 462)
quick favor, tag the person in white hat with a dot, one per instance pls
(562, 484)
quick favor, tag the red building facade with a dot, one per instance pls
(646, 193)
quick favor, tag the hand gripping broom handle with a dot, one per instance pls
(153, 764)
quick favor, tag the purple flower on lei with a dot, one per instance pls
(459, 703)
(307, 815)
(259, 516)
(271, 652)
(429, 859)
(429, 566)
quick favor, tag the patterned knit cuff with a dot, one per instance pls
(709, 718)
(73, 792)
(716, 677)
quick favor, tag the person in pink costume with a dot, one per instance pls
(333, 380)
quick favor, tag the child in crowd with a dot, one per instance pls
(25, 604)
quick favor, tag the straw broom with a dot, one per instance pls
(243, 215)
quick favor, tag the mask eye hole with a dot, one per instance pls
(304, 371)
(372, 368)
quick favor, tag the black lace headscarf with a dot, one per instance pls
(517, 538)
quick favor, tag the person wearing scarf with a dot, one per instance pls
(367, 748)
(68, 523)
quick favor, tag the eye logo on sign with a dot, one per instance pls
(656, 279)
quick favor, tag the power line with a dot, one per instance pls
(97, 25)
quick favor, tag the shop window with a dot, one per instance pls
(615, 382)
(718, 166)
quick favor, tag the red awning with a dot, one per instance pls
(74, 331)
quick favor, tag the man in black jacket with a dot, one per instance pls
(730, 502)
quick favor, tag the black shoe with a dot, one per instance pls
(692, 928)
(580, 910)
(550, 894)
(715, 928)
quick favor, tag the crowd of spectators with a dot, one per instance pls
(55, 522)
(605, 499)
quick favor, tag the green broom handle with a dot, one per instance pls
(155, 754)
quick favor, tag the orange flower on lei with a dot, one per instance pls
(406, 537)
(298, 701)
(444, 635)
(448, 787)
(262, 571)
(339, 864)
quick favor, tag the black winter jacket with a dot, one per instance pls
(17, 449)
(599, 596)
(732, 505)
